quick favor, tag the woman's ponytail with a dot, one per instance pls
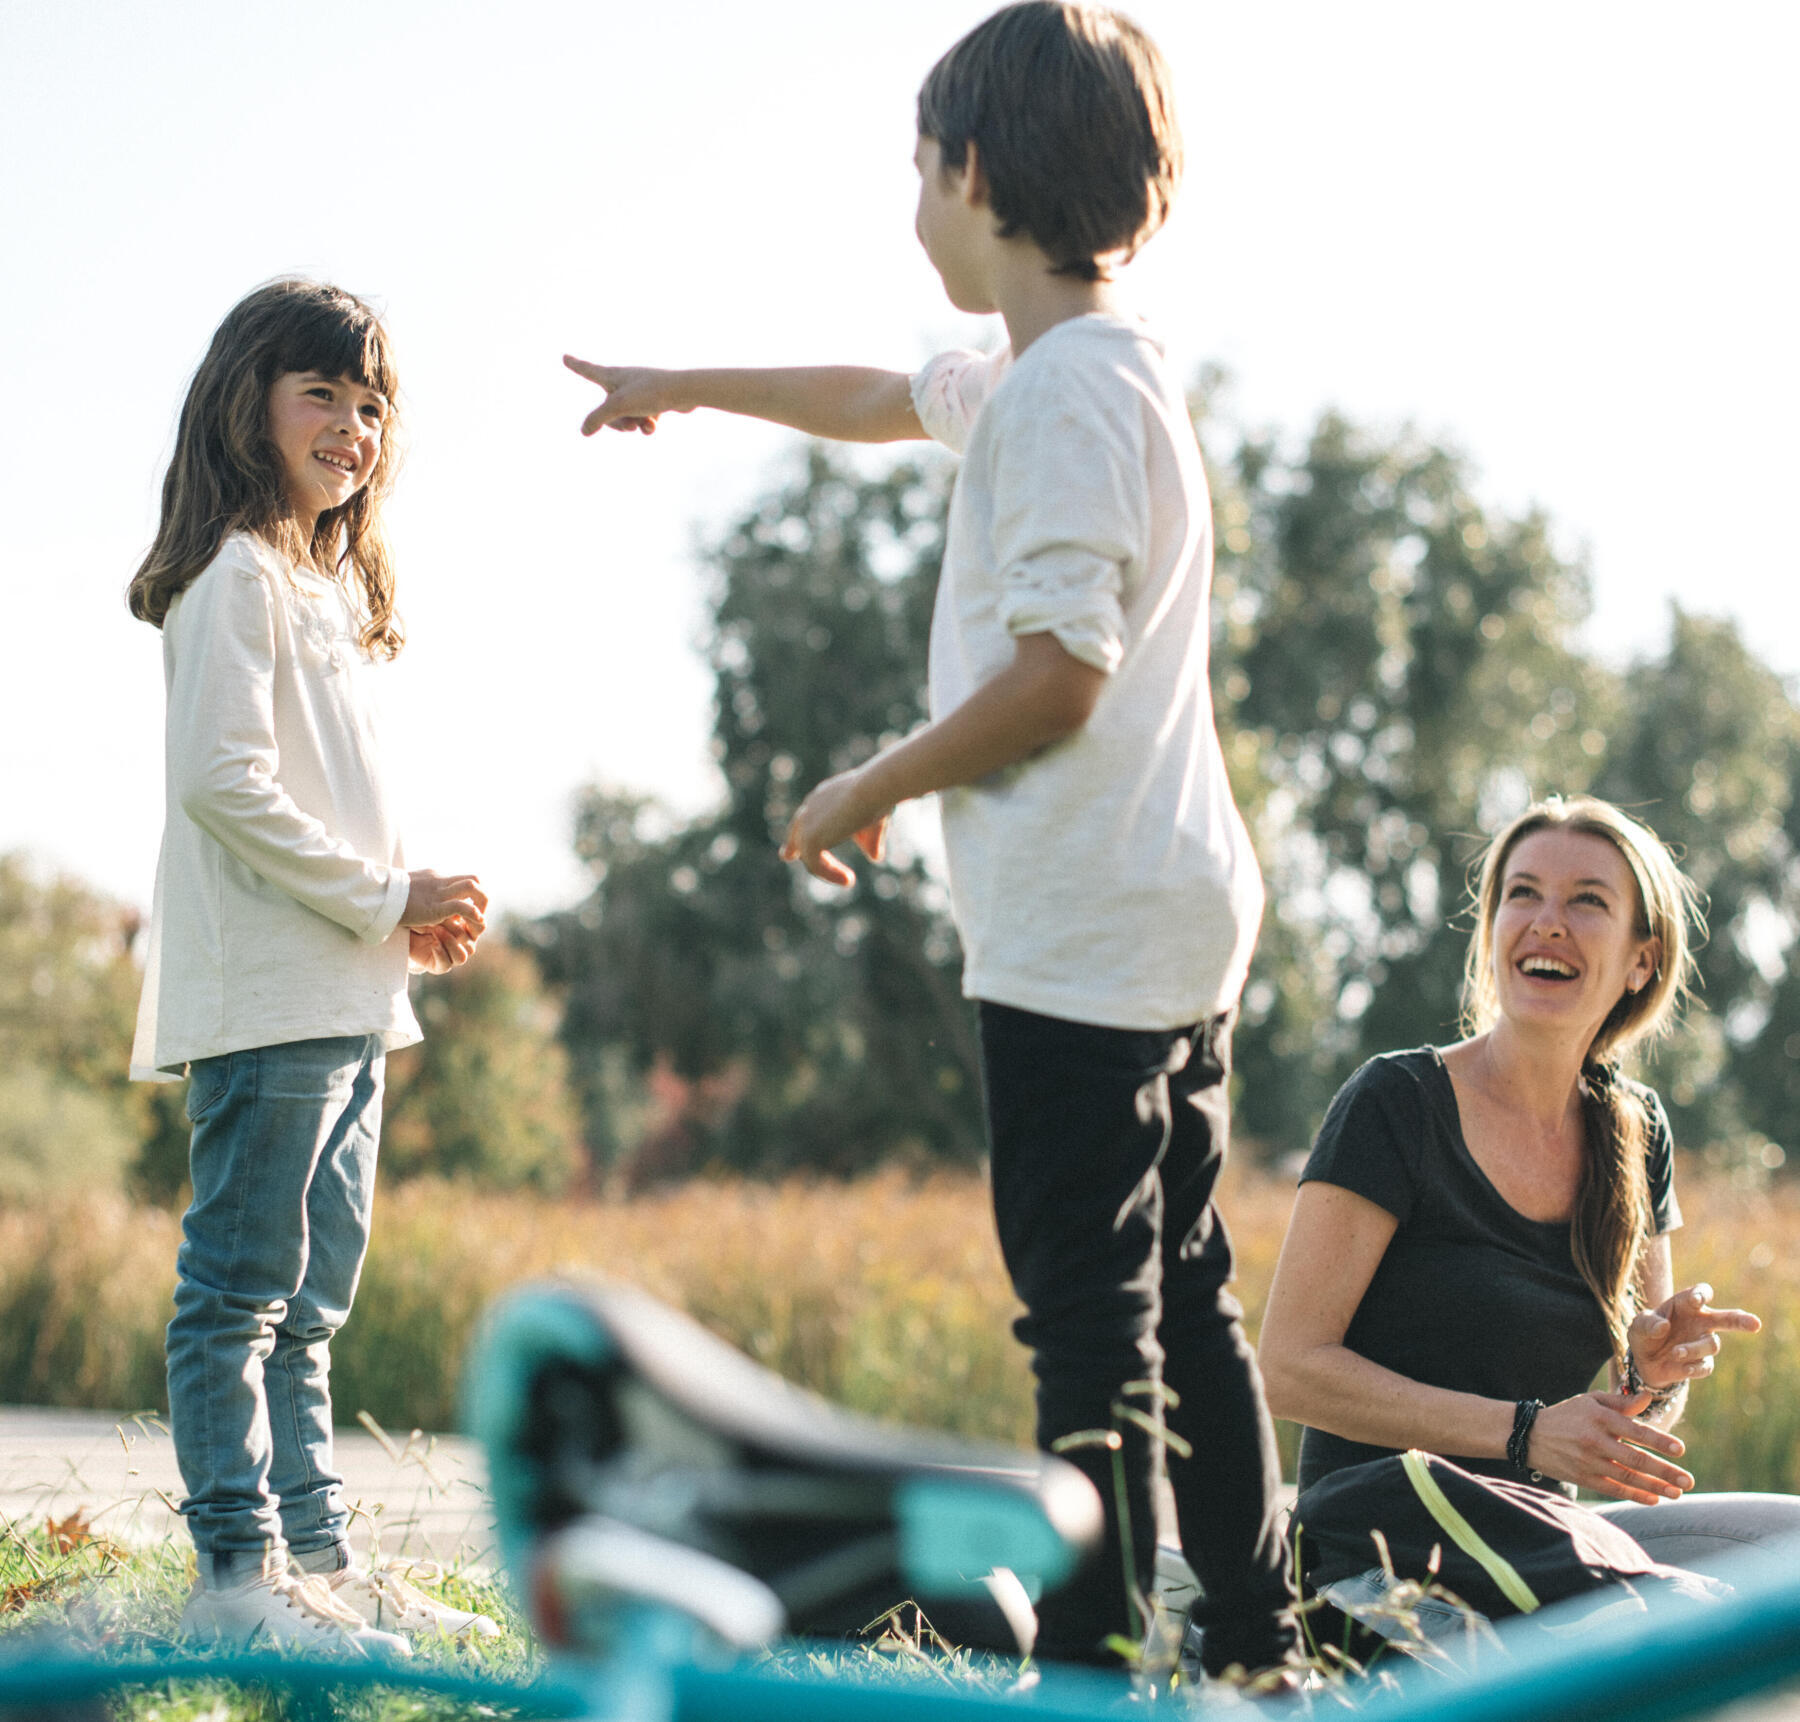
(1612, 1200)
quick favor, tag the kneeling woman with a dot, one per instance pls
(1482, 1227)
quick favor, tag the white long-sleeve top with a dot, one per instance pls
(1109, 878)
(280, 884)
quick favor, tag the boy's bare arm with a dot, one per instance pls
(847, 403)
(1043, 695)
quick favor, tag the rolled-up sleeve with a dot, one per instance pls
(948, 392)
(1066, 539)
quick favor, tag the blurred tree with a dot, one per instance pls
(792, 1025)
(1707, 754)
(485, 1096)
(1395, 674)
(68, 987)
(57, 1136)
(68, 1006)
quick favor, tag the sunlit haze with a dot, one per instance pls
(1559, 236)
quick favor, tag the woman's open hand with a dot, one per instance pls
(1593, 1441)
(1678, 1340)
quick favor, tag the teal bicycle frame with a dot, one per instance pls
(1659, 1669)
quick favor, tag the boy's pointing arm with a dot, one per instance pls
(847, 403)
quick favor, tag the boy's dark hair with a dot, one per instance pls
(1072, 115)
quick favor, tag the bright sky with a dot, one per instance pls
(1560, 234)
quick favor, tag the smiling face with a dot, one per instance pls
(328, 433)
(1565, 943)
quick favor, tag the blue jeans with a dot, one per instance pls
(1714, 1534)
(283, 1165)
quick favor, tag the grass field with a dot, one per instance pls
(886, 1294)
(64, 1592)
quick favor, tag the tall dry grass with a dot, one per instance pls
(886, 1294)
(1742, 1428)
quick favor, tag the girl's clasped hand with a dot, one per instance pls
(444, 917)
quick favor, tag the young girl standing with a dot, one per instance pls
(282, 933)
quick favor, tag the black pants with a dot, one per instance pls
(1106, 1145)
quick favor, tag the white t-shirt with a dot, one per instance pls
(279, 888)
(1108, 879)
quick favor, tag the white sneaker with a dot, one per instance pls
(385, 1597)
(292, 1612)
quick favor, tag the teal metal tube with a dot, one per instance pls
(759, 1695)
(1671, 1663)
(1668, 1665)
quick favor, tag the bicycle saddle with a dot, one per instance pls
(634, 1455)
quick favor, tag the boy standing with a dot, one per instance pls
(1102, 881)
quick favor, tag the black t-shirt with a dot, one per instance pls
(1470, 1295)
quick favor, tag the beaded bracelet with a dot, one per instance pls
(1525, 1414)
(1636, 1384)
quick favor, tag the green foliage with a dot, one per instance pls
(68, 987)
(765, 1022)
(1394, 674)
(69, 1113)
(54, 1136)
(485, 1096)
(1708, 754)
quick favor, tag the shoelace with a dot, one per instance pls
(312, 1595)
(387, 1582)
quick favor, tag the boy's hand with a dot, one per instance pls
(836, 812)
(635, 396)
(434, 898)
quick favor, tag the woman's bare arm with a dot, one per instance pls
(1335, 1242)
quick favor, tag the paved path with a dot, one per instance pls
(426, 1496)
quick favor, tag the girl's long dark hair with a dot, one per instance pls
(226, 475)
(1612, 1206)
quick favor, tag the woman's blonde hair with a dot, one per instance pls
(226, 474)
(1612, 1206)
